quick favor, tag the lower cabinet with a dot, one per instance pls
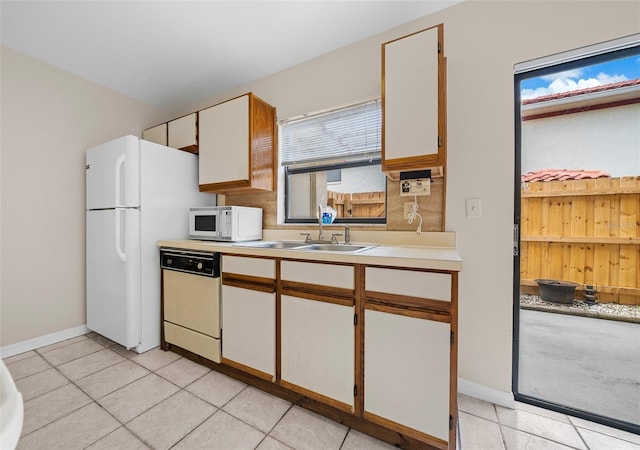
(374, 347)
(249, 329)
(317, 348)
(406, 372)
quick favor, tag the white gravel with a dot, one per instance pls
(579, 307)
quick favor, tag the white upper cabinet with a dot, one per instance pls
(237, 145)
(157, 134)
(413, 99)
(183, 133)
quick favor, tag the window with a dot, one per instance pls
(333, 159)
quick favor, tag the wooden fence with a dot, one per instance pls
(584, 231)
(364, 204)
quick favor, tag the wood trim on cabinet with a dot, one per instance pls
(433, 441)
(320, 296)
(262, 144)
(247, 369)
(315, 396)
(406, 301)
(359, 339)
(163, 343)
(453, 364)
(337, 296)
(225, 186)
(402, 311)
(190, 148)
(278, 322)
(249, 282)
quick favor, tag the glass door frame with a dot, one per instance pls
(574, 62)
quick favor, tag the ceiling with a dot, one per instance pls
(174, 53)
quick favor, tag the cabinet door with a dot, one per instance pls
(157, 134)
(318, 347)
(249, 329)
(406, 371)
(183, 133)
(411, 101)
(224, 142)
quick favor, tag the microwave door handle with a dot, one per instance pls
(118, 236)
(118, 179)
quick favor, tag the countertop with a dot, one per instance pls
(423, 257)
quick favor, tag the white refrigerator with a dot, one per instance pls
(137, 192)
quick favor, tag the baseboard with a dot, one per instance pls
(486, 393)
(41, 341)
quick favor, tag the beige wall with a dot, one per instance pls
(483, 41)
(49, 117)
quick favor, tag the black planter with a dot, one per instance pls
(556, 291)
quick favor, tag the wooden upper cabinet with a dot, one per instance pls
(413, 100)
(157, 134)
(183, 133)
(237, 146)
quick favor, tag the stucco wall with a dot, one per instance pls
(604, 139)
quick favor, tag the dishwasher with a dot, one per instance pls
(191, 302)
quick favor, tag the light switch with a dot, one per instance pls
(474, 210)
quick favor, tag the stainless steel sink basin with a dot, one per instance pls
(337, 247)
(271, 244)
(288, 245)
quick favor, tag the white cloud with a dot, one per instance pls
(575, 73)
(565, 82)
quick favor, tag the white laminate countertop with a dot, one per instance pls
(436, 258)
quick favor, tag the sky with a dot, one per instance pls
(582, 78)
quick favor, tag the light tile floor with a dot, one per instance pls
(88, 392)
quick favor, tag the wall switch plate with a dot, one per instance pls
(474, 210)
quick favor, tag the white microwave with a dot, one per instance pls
(225, 223)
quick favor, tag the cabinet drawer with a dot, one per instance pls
(436, 286)
(320, 274)
(192, 301)
(197, 343)
(255, 267)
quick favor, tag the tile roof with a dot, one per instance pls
(605, 87)
(562, 174)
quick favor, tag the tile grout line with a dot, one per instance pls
(578, 432)
(504, 441)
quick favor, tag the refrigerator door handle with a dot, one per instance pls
(118, 178)
(118, 236)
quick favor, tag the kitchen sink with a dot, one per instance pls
(338, 247)
(271, 244)
(288, 245)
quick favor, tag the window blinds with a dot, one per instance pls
(347, 134)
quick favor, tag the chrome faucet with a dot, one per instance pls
(347, 234)
(320, 234)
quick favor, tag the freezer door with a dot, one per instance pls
(113, 174)
(113, 274)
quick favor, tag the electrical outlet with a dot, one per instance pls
(408, 207)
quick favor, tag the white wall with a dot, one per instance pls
(603, 139)
(483, 41)
(49, 117)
